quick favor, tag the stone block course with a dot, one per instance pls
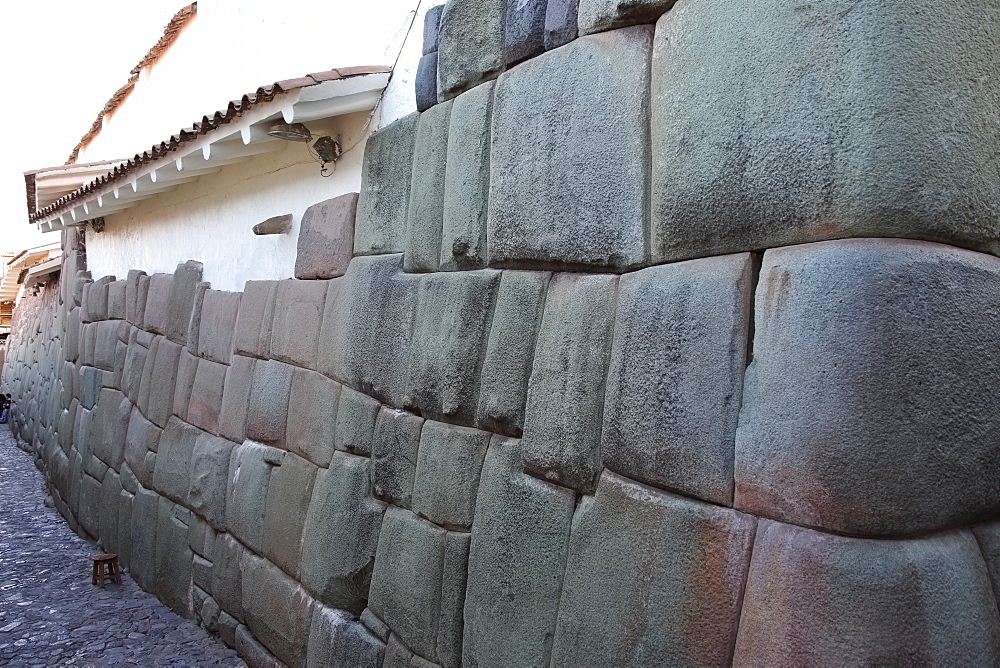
(562, 423)
(467, 180)
(516, 562)
(394, 455)
(734, 159)
(326, 238)
(312, 416)
(385, 188)
(449, 462)
(676, 375)
(219, 312)
(422, 243)
(815, 597)
(449, 337)
(553, 203)
(341, 534)
(643, 566)
(470, 44)
(849, 419)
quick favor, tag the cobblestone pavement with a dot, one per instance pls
(50, 614)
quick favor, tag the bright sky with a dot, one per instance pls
(61, 61)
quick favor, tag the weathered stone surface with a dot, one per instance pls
(451, 618)
(253, 324)
(124, 547)
(194, 320)
(367, 327)
(210, 463)
(335, 639)
(552, 203)
(817, 598)
(510, 351)
(246, 495)
(600, 15)
(219, 311)
(298, 317)
(201, 539)
(227, 575)
(651, 578)
(375, 625)
(141, 441)
(111, 490)
(156, 314)
(268, 409)
(516, 563)
(236, 398)
(734, 137)
(470, 44)
(144, 516)
(562, 424)
(406, 584)
(850, 420)
(274, 225)
(161, 383)
(133, 308)
(187, 276)
(385, 188)
(425, 84)
(172, 477)
(288, 494)
(355, 427)
(173, 557)
(110, 425)
(89, 515)
(397, 655)
(341, 534)
(326, 238)
(432, 28)
(71, 341)
(105, 343)
(448, 343)
(524, 33)
(135, 362)
(90, 382)
(206, 395)
(116, 299)
(449, 463)
(312, 416)
(187, 368)
(394, 455)
(251, 651)
(676, 375)
(422, 244)
(279, 611)
(467, 181)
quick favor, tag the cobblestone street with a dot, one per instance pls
(50, 614)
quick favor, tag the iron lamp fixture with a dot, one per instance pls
(289, 131)
(325, 149)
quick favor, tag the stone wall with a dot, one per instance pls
(668, 337)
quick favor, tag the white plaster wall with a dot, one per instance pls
(210, 220)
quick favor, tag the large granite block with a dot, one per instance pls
(105, 344)
(227, 575)
(676, 375)
(312, 416)
(336, 639)
(156, 314)
(111, 489)
(341, 534)
(219, 311)
(831, 600)
(173, 557)
(187, 276)
(141, 443)
(236, 398)
(467, 181)
(135, 362)
(210, 461)
(516, 563)
(110, 425)
(470, 44)
(267, 412)
(446, 482)
(288, 494)
(394, 455)
(124, 546)
(187, 369)
(253, 324)
(510, 351)
(355, 427)
(163, 376)
(422, 243)
(246, 494)
(326, 238)
(133, 305)
(206, 395)
(600, 15)
(551, 202)
(432, 28)
(562, 423)
(367, 327)
(116, 300)
(449, 337)
(796, 123)
(278, 609)
(651, 578)
(425, 83)
(385, 188)
(89, 515)
(850, 418)
(174, 455)
(298, 317)
(194, 321)
(524, 33)
(145, 519)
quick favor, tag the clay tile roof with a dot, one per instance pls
(170, 34)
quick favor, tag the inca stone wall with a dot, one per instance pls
(662, 334)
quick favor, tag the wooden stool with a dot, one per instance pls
(106, 567)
